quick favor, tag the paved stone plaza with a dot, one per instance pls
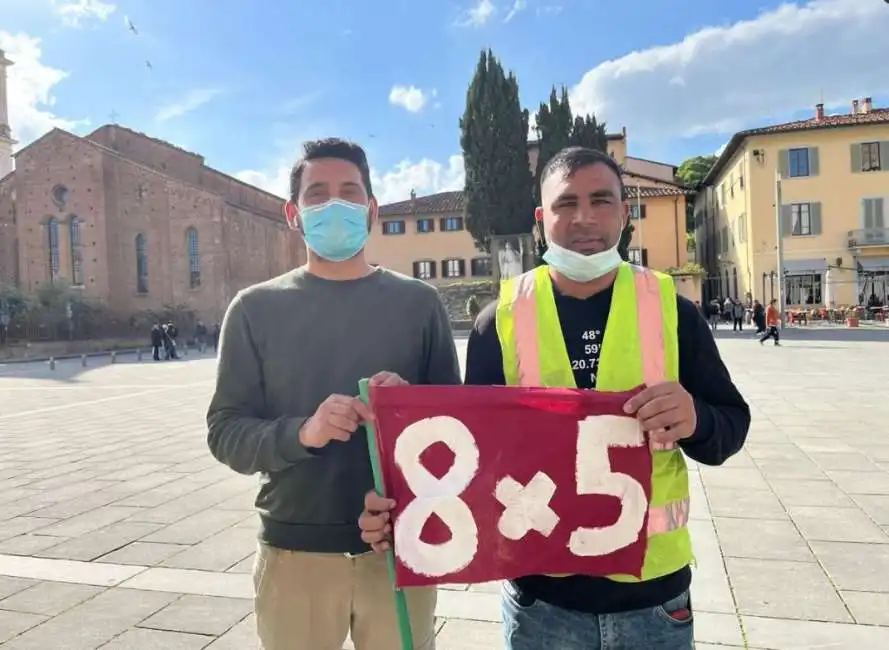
(119, 531)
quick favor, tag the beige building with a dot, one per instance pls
(137, 224)
(426, 237)
(833, 214)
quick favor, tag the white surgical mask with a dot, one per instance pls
(580, 267)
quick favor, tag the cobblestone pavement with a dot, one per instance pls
(118, 530)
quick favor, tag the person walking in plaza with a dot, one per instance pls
(773, 320)
(157, 341)
(292, 352)
(714, 311)
(588, 320)
(759, 317)
(737, 316)
(200, 336)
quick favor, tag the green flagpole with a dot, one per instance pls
(404, 621)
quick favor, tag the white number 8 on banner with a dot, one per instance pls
(440, 496)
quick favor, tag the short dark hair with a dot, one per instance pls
(570, 159)
(330, 148)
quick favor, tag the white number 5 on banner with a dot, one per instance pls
(595, 435)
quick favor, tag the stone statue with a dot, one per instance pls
(510, 262)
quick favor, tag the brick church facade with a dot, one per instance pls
(137, 224)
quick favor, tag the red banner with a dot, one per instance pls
(496, 482)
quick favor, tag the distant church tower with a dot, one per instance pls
(6, 141)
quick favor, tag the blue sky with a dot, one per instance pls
(244, 83)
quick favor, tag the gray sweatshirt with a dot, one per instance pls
(286, 345)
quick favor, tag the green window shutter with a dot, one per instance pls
(879, 213)
(786, 220)
(884, 155)
(813, 161)
(867, 211)
(815, 218)
(855, 149)
(783, 163)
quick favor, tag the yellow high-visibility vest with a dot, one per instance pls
(640, 346)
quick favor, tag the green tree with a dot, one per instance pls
(587, 132)
(693, 170)
(493, 135)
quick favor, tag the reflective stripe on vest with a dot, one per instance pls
(534, 354)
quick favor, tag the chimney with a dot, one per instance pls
(819, 112)
(867, 105)
(413, 200)
(854, 107)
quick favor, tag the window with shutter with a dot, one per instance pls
(392, 227)
(424, 269)
(798, 162)
(452, 268)
(451, 224)
(480, 267)
(870, 157)
(801, 219)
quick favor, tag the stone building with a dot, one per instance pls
(137, 224)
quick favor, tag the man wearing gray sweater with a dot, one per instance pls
(291, 354)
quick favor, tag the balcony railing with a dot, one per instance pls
(864, 237)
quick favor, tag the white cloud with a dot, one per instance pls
(723, 79)
(277, 181)
(192, 101)
(410, 98)
(30, 85)
(74, 13)
(517, 6)
(477, 15)
(425, 177)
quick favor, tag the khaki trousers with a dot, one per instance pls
(312, 601)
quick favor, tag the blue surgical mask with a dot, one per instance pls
(336, 230)
(579, 267)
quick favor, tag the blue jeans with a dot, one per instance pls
(541, 626)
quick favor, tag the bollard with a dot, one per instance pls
(52, 363)
(83, 360)
(139, 354)
(113, 356)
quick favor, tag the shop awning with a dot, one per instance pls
(805, 267)
(874, 264)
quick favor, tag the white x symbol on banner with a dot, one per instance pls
(527, 506)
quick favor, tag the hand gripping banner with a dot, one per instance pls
(496, 482)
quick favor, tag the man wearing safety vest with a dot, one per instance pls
(588, 320)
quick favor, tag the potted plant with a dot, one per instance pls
(853, 316)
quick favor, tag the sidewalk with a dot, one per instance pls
(119, 531)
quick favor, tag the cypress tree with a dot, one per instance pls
(493, 136)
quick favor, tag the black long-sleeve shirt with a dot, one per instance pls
(723, 420)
